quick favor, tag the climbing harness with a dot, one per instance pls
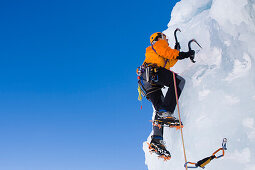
(148, 72)
(147, 80)
(207, 160)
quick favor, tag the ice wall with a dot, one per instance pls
(219, 97)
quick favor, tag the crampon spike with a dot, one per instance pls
(179, 127)
(165, 157)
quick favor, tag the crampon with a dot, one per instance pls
(161, 152)
(168, 122)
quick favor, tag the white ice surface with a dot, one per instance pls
(219, 96)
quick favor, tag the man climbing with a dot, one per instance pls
(154, 75)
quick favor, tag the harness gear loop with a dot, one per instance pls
(147, 73)
(176, 96)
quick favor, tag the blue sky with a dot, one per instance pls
(68, 91)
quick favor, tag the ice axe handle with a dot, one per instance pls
(177, 44)
(192, 58)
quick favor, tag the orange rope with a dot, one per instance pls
(176, 95)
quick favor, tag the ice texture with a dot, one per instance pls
(218, 100)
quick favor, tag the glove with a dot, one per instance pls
(177, 46)
(183, 55)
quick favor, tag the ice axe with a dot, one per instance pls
(177, 44)
(189, 45)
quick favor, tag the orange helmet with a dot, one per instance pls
(154, 37)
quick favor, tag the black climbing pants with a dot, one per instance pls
(167, 102)
(165, 78)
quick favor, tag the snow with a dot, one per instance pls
(219, 95)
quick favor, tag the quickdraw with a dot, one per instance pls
(207, 160)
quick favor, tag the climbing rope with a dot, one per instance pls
(176, 95)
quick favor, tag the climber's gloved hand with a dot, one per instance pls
(183, 55)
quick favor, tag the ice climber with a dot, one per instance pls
(154, 75)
